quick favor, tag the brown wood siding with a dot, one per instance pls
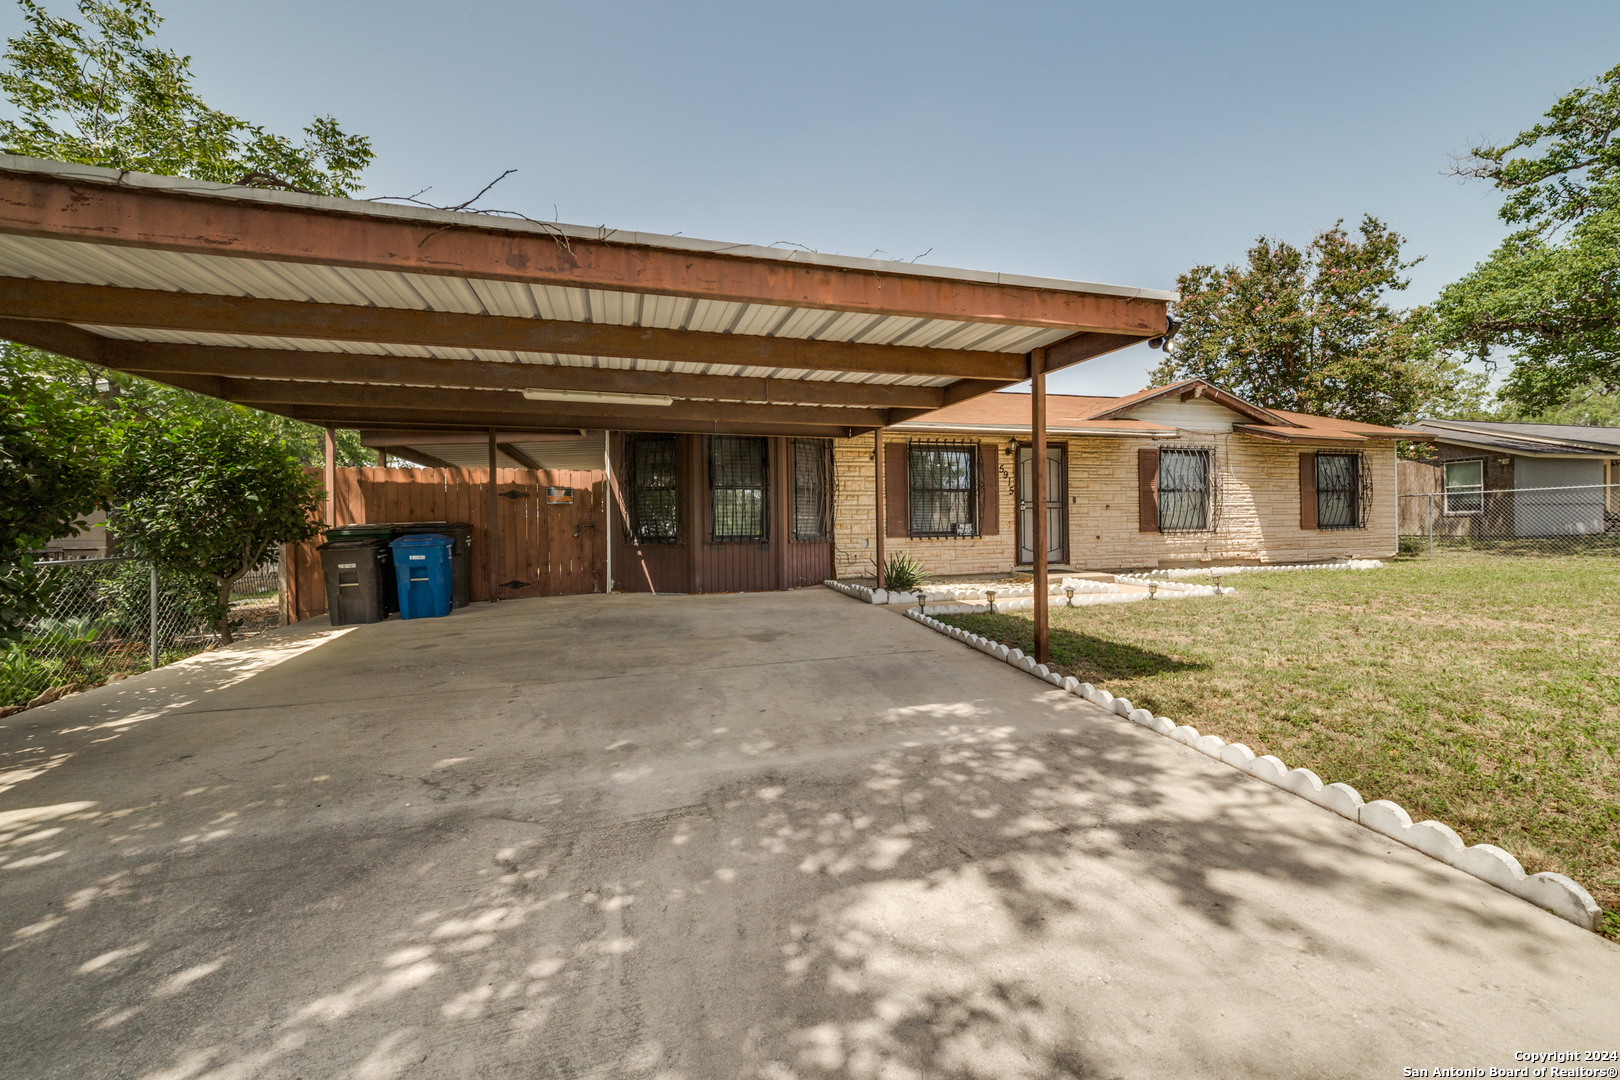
(536, 541)
(989, 490)
(1147, 489)
(697, 565)
(1307, 490)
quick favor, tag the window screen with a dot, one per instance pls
(1338, 491)
(654, 513)
(1183, 490)
(738, 467)
(812, 471)
(944, 489)
(1465, 487)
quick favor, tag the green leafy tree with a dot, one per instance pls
(98, 93)
(1314, 331)
(55, 454)
(211, 494)
(1550, 294)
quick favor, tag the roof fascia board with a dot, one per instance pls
(48, 199)
(1517, 437)
(1575, 455)
(1024, 430)
(1202, 389)
(1303, 435)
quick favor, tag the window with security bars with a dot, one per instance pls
(944, 489)
(654, 495)
(738, 471)
(812, 473)
(1338, 491)
(1184, 490)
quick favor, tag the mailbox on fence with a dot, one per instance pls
(422, 568)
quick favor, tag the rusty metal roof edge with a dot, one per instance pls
(209, 189)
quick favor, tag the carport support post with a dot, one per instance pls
(330, 475)
(492, 532)
(877, 472)
(1037, 468)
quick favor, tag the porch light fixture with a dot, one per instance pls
(599, 397)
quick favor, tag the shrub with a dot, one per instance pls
(903, 573)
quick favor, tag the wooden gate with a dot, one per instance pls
(550, 536)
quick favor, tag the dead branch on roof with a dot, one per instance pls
(550, 229)
(257, 179)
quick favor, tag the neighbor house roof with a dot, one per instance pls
(1554, 440)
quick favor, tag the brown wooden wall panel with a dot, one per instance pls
(695, 564)
(536, 542)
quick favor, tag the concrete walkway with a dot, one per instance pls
(744, 836)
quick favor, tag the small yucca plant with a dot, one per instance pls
(903, 573)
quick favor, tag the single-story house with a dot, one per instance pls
(1178, 475)
(1562, 478)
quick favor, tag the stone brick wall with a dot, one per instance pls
(1258, 510)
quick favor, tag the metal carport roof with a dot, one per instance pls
(375, 315)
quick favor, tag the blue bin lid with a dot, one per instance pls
(422, 540)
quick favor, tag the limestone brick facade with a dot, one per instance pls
(1257, 518)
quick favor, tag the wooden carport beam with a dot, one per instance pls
(124, 211)
(159, 309)
(152, 358)
(479, 423)
(260, 392)
(518, 456)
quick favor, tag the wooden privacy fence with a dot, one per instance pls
(550, 529)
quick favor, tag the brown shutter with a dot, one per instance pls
(1147, 489)
(1307, 490)
(896, 490)
(989, 490)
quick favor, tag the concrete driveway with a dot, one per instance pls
(744, 836)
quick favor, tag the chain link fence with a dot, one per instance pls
(112, 617)
(1522, 521)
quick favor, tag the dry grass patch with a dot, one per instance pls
(1482, 692)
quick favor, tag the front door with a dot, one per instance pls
(1057, 518)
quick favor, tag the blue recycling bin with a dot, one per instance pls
(422, 569)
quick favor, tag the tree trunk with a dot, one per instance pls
(223, 626)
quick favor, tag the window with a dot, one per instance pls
(1184, 490)
(738, 467)
(1465, 487)
(812, 468)
(944, 489)
(1338, 491)
(654, 513)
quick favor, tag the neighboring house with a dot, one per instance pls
(1472, 460)
(92, 543)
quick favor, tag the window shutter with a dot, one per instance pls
(989, 490)
(1147, 489)
(1307, 490)
(896, 490)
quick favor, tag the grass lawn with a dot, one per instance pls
(1480, 691)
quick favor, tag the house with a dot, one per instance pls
(1562, 478)
(1179, 475)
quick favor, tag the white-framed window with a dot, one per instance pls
(1465, 487)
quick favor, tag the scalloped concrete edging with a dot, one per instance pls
(1550, 892)
(1198, 571)
(1027, 602)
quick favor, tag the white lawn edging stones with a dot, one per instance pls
(1549, 891)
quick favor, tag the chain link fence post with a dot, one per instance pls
(152, 618)
(1431, 526)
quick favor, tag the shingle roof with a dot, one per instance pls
(1528, 438)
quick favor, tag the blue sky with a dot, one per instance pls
(1105, 142)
